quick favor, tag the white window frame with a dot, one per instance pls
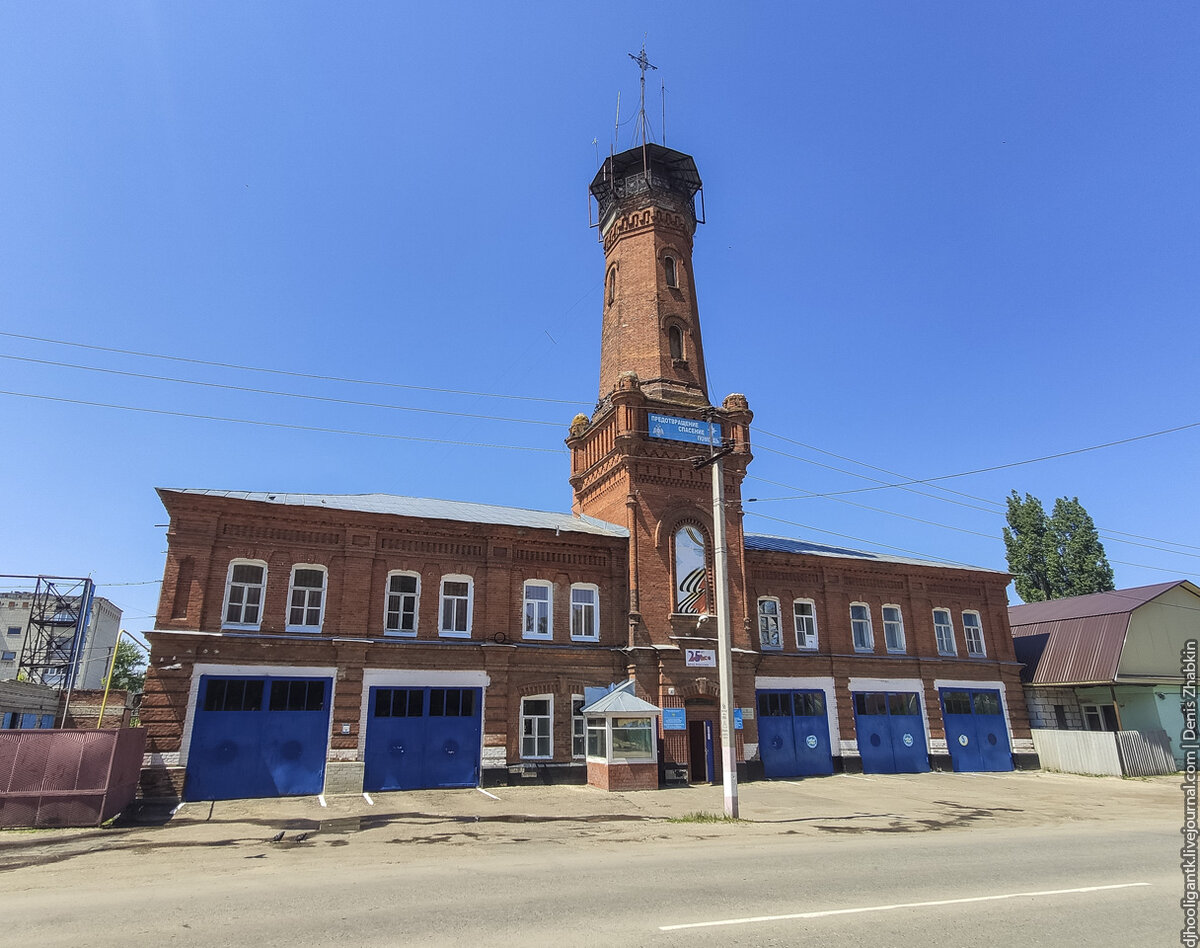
(305, 626)
(387, 604)
(805, 640)
(974, 649)
(896, 625)
(870, 644)
(594, 606)
(762, 644)
(262, 596)
(537, 605)
(578, 728)
(456, 578)
(937, 632)
(547, 719)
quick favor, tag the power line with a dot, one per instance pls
(265, 391)
(301, 375)
(277, 424)
(1112, 534)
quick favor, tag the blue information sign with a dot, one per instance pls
(692, 430)
(737, 719)
(674, 719)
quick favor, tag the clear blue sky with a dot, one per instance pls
(941, 237)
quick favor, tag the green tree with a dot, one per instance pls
(1074, 553)
(129, 670)
(1056, 556)
(1026, 547)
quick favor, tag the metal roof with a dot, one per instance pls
(1097, 604)
(621, 700)
(394, 505)
(1077, 640)
(771, 544)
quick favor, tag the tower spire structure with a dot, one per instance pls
(643, 65)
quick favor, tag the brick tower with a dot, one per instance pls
(630, 469)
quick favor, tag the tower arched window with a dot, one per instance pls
(612, 285)
(672, 274)
(691, 571)
(675, 340)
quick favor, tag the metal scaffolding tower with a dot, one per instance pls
(58, 621)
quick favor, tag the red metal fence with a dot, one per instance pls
(69, 777)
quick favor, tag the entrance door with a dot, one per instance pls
(793, 734)
(702, 765)
(421, 738)
(976, 732)
(891, 734)
(258, 737)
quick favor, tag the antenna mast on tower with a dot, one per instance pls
(643, 64)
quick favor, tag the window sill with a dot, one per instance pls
(976, 655)
(897, 651)
(454, 635)
(398, 634)
(526, 637)
(242, 626)
(591, 639)
(807, 648)
(865, 649)
(947, 654)
(308, 629)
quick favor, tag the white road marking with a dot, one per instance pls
(858, 777)
(321, 799)
(899, 905)
(367, 797)
(486, 794)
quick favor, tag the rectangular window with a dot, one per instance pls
(633, 738)
(578, 728)
(893, 629)
(399, 703)
(956, 702)
(451, 702)
(769, 635)
(233, 694)
(804, 613)
(535, 727)
(986, 702)
(860, 627)
(597, 738)
(538, 606)
(973, 633)
(297, 695)
(585, 608)
(810, 704)
(243, 598)
(943, 628)
(456, 606)
(400, 614)
(1099, 717)
(306, 598)
(871, 702)
(1060, 717)
(14, 630)
(8, 656)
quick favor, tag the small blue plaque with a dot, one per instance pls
(674, 719)
(737, 719)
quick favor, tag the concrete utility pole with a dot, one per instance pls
(724, 628)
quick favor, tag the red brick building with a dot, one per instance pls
(309, 642)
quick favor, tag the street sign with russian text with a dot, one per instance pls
(692, 430)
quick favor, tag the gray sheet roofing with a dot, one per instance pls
(423, 507)
(770, 544)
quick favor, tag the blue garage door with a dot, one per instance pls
(976, 733)
(258, 737)
(418, 738)
(793, 734)
(891, 734)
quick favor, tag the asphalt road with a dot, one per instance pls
(542, 892)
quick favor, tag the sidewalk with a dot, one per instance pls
(841, 804)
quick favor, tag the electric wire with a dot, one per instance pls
(279, 424)
(287, 372)
(264, 391)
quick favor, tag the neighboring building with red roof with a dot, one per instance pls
(1109, 661)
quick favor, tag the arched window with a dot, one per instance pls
(675, 338)
(612, 285)
(691, 571)
(671, 272)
